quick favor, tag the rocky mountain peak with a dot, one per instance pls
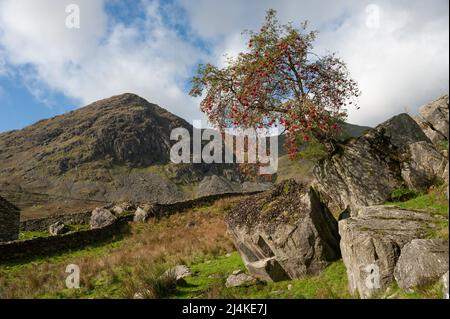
(123, 129)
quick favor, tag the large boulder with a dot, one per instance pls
(284, 233)
(371, 243)
(424, 166)
(101, 217)
(433, 119)
(422, 262)
(364, 171)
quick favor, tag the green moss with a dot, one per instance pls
(33, 234)
(286, 188)
(211, 276)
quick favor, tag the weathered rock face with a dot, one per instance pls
(9, 221)
(284, 233)
(433, 119)
(371, 243)
(422, 262)
(366, 170)
(123, 208)
(256, 186)
(101, 217)
(239, 279)
(57, 228)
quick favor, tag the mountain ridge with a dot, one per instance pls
(110, 150)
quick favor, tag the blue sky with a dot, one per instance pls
(396, 50)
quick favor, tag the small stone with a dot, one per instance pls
(239, 280)
(289, 287)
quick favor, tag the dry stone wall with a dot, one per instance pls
(9, 221)
(50, 245)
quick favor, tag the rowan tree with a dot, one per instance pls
(279, 81)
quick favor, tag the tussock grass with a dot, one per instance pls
(105, 269)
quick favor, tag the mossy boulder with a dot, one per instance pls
(284, 233)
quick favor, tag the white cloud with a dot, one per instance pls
(98, 61)
(402, 63)
(399, 66)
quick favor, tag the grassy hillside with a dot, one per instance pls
(198, 238)
(298, 169)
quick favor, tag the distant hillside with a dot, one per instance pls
(114, 149)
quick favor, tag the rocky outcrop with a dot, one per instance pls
(9, 221)
(57, 228)
(422, 262)
(101, 217)
(371, 244)
(423, 166)
(178, 273)
(433, 118)
(364, 171)
(286, 232)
